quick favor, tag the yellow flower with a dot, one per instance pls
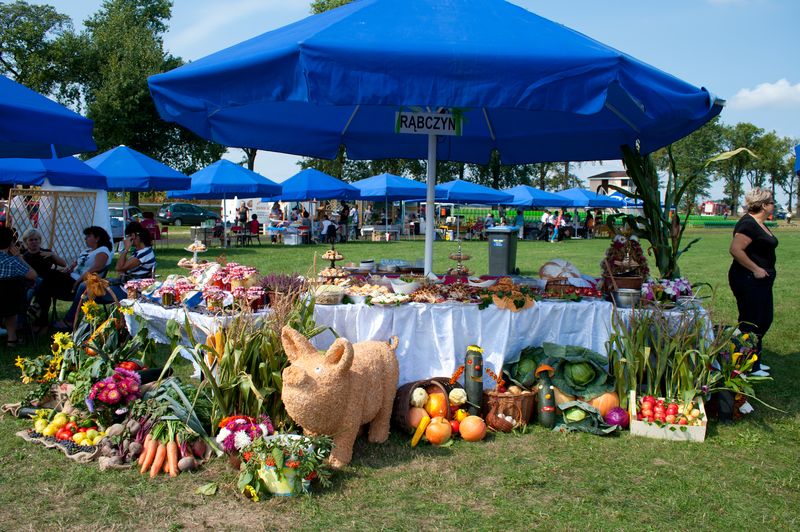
(90, 308)
(745, 336)
(126, 310)
(753, 358)
(736, 357)
(251, 493)
(26, 380)
(20, 362)
(61, 342)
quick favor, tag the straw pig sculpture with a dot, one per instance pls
(336, 392)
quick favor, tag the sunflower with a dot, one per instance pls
(20, 362)
(90, 309)
(126, 310)
(61, 342)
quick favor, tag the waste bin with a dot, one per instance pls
(502, 250)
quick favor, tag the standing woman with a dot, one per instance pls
(752, 273)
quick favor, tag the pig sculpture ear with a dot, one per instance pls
(295, 344)
(340, 354)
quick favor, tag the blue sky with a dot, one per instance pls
(745, 51)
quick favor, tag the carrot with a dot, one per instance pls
(158, 461)
(144, 449)
(150, 454)
(172, 458)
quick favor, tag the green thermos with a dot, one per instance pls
(473, 378)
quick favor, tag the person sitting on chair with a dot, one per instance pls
(44, 261)
(94, 259)
(151, 225)
(137, 260)
(13, 273)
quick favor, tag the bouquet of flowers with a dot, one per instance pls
(666, 290)
(237, 432)
(118, 390)
(272, 461)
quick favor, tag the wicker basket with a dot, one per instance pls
(557, 285)
(520, 407)
(402, 400)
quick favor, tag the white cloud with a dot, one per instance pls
(778, 94)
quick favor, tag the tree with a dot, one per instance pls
(733, 170)
(772, 164)
(121, 46)
(690, 154)
(320, 6)
(32, 48)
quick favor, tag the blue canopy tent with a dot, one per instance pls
(32, 125)
(528, 196)
(127, 170)
(390, 187)
(66, 171)
(313, 185)
(467, 192)
(586, 198)
(630, 203)
(225, 179)
(501, 77)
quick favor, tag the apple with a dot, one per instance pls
(454, 426)
(438, 431)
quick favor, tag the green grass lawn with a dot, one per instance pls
(745, 476)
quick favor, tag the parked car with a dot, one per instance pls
(118, 223)
(184, 214)
(780, 214)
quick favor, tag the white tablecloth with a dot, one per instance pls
(434, 338)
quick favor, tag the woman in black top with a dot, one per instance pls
(752, 273)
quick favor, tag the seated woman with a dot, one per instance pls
(44, 261)
(151, 225)
(137, 260)
(96, 258)
(14, 273)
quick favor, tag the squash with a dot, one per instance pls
(605, 402)
(457, 396)
(561, 397)
(472, 428)
(419, 397)
(423, 424)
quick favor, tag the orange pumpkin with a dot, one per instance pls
(438, 431)
(605, 402)
(436, 406)
(472, 428)
(415, 415)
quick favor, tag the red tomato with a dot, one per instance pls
(670, 419)
(454, 424)
(682, 421)
(71, 426)
(649, 399)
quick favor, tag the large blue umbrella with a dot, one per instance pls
(225, 179)
(311, 184)
(586, 198)
(34, 126)
(510, 80)
(128, 170)
(66, 171)
(390, 187)
(460, 191)
(528, 196)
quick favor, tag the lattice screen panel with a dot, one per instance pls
(60, 216)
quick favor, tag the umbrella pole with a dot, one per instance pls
(386, 216)
(429, 204)
(224, 222)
